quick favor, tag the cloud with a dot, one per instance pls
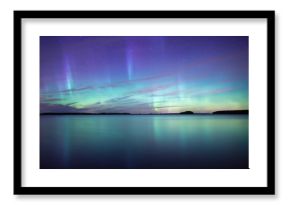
(72, 103)
(117, 99)
(169, 106)
(49, 99)
(58, 108)
(93, 106)
(111, 102)
(133, 109)
(133, 106)
(78, 89)
(70, 90)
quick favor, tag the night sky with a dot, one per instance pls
(143, 74)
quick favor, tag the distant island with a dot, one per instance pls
(187, 113)
(234, 112)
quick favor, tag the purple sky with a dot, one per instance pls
(143, 74)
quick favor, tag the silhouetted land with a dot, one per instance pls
(187, 113)
(231, 112)
(225, 112)
(78, 113)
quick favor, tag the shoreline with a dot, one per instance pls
(212, 114)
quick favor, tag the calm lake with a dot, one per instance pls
(144, 142)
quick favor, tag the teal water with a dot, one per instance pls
(144, 142)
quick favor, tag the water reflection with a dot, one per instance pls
(144, 142)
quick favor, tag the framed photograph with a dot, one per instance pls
(144, 102)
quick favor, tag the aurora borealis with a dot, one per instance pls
(143, 74)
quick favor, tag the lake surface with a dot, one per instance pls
(144, 142)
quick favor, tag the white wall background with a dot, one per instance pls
(282, 98)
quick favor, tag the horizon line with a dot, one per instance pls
(126, 113)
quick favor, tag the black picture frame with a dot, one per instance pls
(269, 189)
